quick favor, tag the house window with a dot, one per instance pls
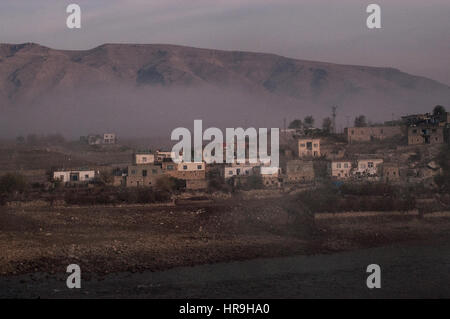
(144, 159)
(133, 172)
(230, 173)
(338, 165)
(154, 171)
(302, 145)
(415, 131)
(345, 165)
(144, 172)
(86, 176)
(370, 164)
(184, 167)
(199, 167)
(170, 167)
(362, 166)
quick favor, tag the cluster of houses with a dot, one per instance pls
(97, 139)
(299, 164)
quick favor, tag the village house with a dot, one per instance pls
(371, 133)
(370, 167)
(143, 175)
(300, 171)
(270, 175)
(340, 169)
(143, 157)
(120, 177)
(74, 176)
(94, 139)
(239, 169)
(427, 119)
(418, 135)
(309, 147)
(164, 155)
(109, 138)
(187, 170)
(391, 172)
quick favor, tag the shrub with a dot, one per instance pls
(12, 183)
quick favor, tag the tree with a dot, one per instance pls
(11, 183)
(295, 124)
(439, 110)
(169, 184)
(327, 125)
(360, 121)
(309, 121)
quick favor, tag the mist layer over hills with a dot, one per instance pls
(138, 90)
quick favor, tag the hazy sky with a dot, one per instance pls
(415, 35)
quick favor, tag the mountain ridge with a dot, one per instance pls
(29, 72)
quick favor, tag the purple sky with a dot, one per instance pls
(415, 35)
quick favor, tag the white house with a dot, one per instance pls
(74, 176)
(109, 138)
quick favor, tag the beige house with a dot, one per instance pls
(425, 135)
(143, 157)
(340, 169)
(239, 170)
(143, 175)
(299, 171)
(163, 155)
(270, 176)
(369, 167)
(185, 170)
(391, 172)
(309, 147)
(371, 133)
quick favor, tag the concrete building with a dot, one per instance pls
(109, 138)
(418, 135)
(143, 157)
(391, 172)
(340, 169)
(270, 176)
(143, 175)
(160, 156)
(185, 170)
(368, 167)
(371, 133)
(94, 139)
(74, 176)
(309, 147)
(299, 171)
(237, 169)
